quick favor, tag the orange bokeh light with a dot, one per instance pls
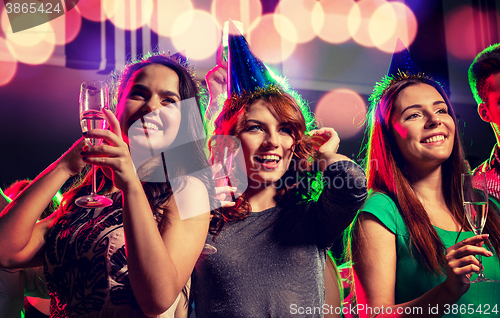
(267, 43)
(359, 19)
(342, 109)
(244, 11)
(330, 20)
(392, 21)
(170, 11)
(200, 38)
(300, 14)
(460, 33)
(8, 64)
(35, 55)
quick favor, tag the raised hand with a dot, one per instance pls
(326, 142)
(113, 153)
(216, 80)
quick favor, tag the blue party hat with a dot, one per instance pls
(402, 61)
(246, 73)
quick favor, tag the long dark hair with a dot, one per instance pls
(191, 125)
(229, 123)
(385, 173)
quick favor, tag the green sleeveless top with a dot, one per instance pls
(412, 280)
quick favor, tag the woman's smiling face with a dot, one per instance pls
(422, 126)
(149, 112)
(267, 145)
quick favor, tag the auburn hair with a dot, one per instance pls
(386, 173)
(231, 122)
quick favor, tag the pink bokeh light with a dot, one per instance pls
(8, 64)
(266, 41)
(244, 11)
(342, 109)
(460, 32)
(299, 13)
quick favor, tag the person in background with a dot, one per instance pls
(484, 80)
(412, 249)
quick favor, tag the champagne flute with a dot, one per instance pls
(475, 200)
(223, 149)
(93, 100)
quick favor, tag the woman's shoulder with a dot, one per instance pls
(377, 200)
(190, 186)
(383, 207)
(190, 197)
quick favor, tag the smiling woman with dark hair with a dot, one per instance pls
(133, 258)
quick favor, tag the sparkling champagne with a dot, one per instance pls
(476, 214)
(93, 119)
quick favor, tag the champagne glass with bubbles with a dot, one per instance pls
(475, 200)
(93, 100)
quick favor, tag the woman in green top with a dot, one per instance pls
(413, 251)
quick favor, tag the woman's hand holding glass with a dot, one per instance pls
(462, 262)
(113, 153)
(93, 100)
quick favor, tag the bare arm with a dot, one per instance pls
(159, 263)
(332, 291)
(21, 237)
(374, 262)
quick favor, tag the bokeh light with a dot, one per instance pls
(267, 43)
(8, 64)
(35, 55)
(245, 11)
(139, 13)
(200, 38)
(170, 11)
(300, 14)
(392, 21)
(342, 109)
(29, 37)
(359, 19)
(91, 10)
(330, 20)
(67, 27)
(460, 32)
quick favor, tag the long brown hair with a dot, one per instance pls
(158, 192)
(284, 105)
(386, 173)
